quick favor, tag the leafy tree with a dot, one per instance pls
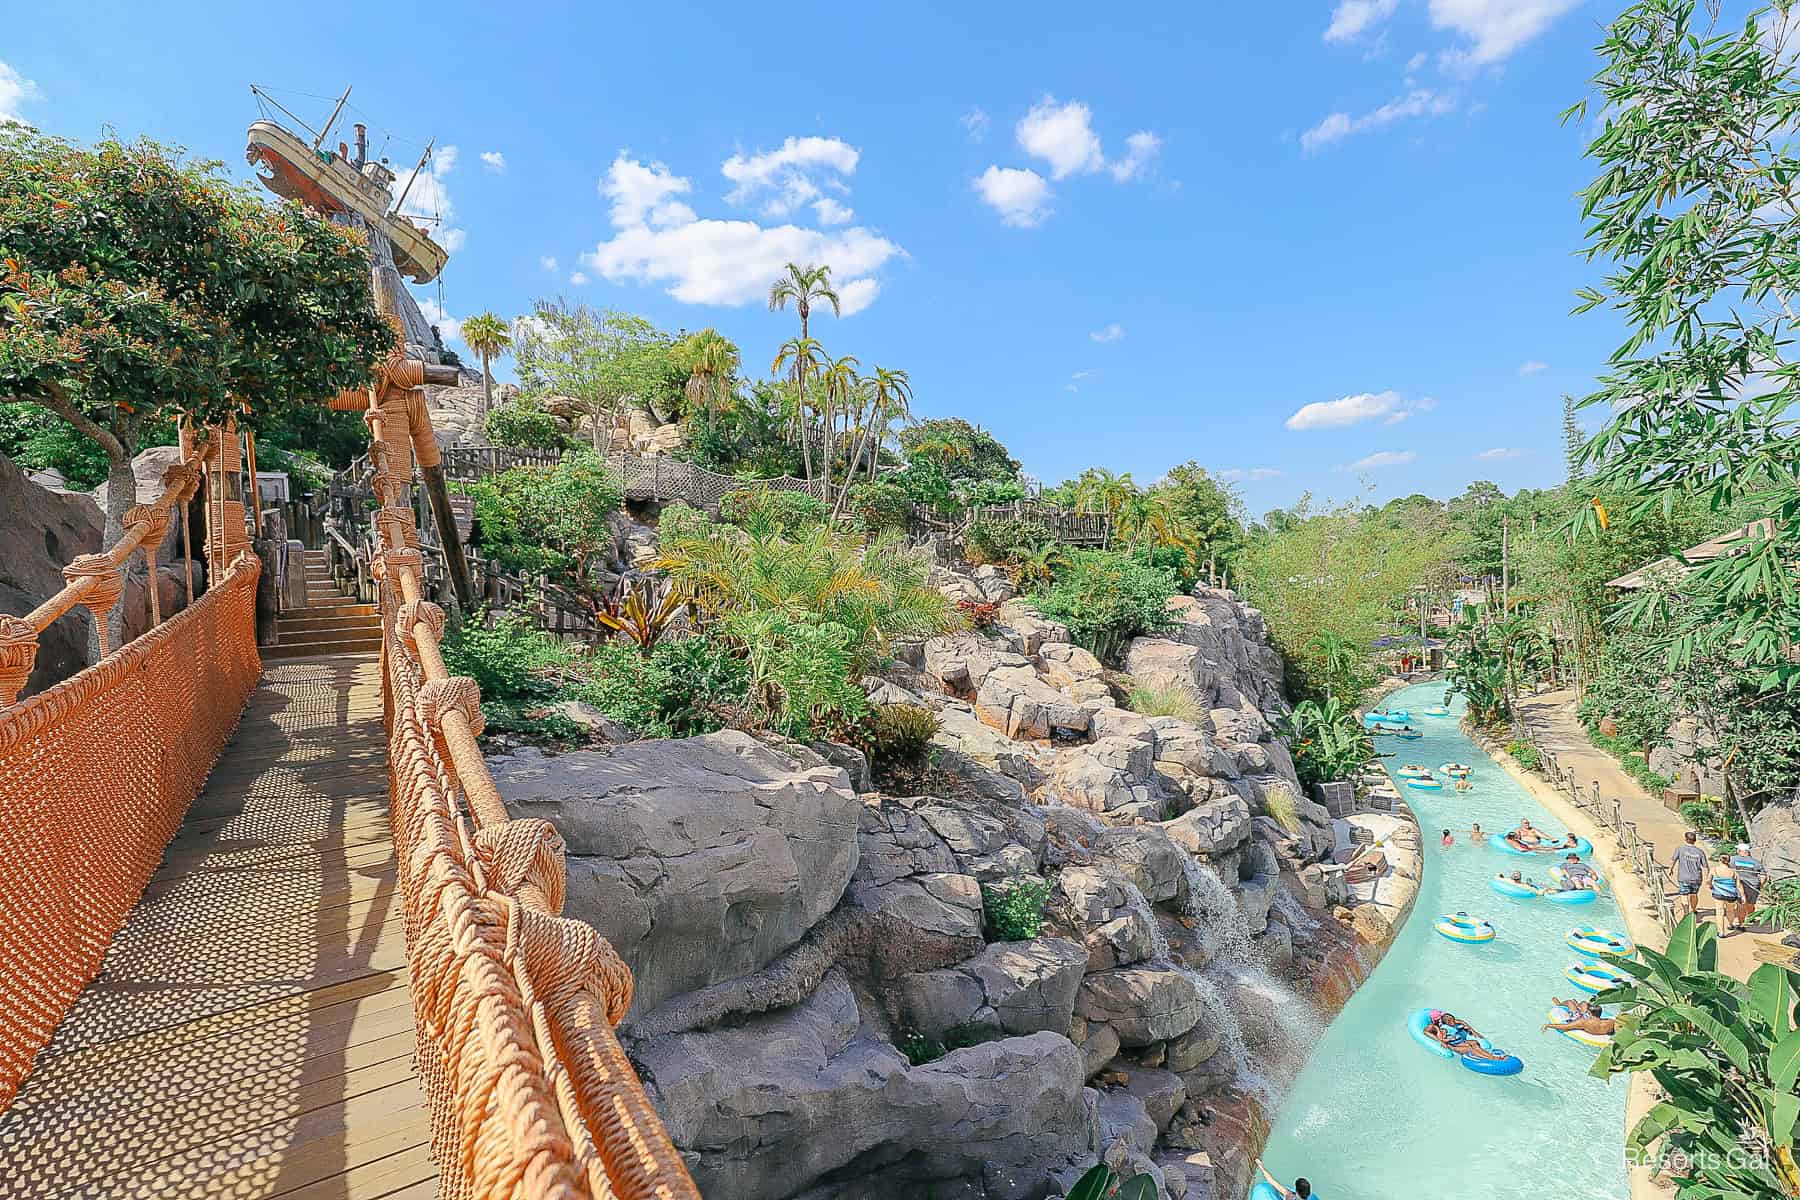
(596, 364)
(554, 520)
(711, 362)
(1693, 210)
(487, 335)
(1725, 1056)
(804, 287)
(1098, 490)
(525, 425)
(966, 453)
(134, 286)
(1106, 599)
(804, 360)
(1208, 508)
(1573, 442)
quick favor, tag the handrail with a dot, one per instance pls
(514, 1005)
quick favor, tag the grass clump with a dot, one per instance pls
(1166, 702)
(1015, 909)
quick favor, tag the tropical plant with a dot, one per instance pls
(1004, 542)
(1779, 904)
(135, 286)
(1098, 490)
(1166, 702)
(1341, 669)
(552, 520)
(966, 453)
(1106, 599)
(890, 401)
(685, 686)
(897, 739)
(1693, 212)
(711, 362)
(1525, 754)
(635, 610)
(1327, 739)
(1477, 672)
(1035, 568)
(766, 508)
(488, 336)
(878, 505)
(840, 388)
(804, 287)
(1015, 908)
(1101, 1182)
(1725, 1056)
(804, 360)
(980, 614)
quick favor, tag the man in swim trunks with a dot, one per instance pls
(1585, 1020)
(1688, 865)
(1302, 1189)
(1577, 876)
(1525, 836)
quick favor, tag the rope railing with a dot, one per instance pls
(97, 771)
(530, 1093)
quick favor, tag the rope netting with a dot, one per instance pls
(514, 1006)
(96, 774)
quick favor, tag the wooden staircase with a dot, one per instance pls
(333, 622)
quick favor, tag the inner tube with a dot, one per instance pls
(1581, 849)
(1413, 773)
(1596, 977)
(1518, 891)
(1598, 943)
(1560, 1012)
(1454, 769)
(1416, 1024)
(1461, 927)
(1509, 1065)
(1405, 735)
(1560, 874)
(1400, 714)
(1262, 1191)
(1427, 784)
(1574, 896)
(1437, 710)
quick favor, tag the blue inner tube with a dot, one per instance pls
(1518, 891)
(1598, 943)
(1424, 785)
(1405, 735)
(1577, 896)
(1510, 1065)
(1581, 849)
(1262, 1191)
(1461, 927)
(1416, 1024)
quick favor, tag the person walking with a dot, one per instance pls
(1689, 867)
(1728, 896)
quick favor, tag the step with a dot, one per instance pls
(344, 608)
(343, 645)
(304, 622)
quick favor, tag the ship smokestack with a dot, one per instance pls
(362, 145)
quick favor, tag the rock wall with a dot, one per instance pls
(822, 1009)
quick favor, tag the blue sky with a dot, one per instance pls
(1281, 239)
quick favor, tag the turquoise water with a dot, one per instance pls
(1374, 1115)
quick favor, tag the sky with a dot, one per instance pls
(1317, 246)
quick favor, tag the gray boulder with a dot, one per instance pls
(700, 859)
(1016, 701)
(1011, 987)
(1775, 836)
(1029, 630)
(44, 530)
(782, 1102)
(1144, 1004)
(1213, 828)
(1096, 907)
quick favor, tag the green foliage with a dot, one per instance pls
(596, 362)
(1692, 213)
(1477, 672)
(1166, 702)
(1015, 908)
(920, 1049)
(1100, 1182)
(1633, 758)
(766, 509)
(746, 435)
(1725, 1056)
(1208, 509)
(134, 283)
(926, 483)
(1106, 599)
(682, 688)
(555, 520)
(640, 611)
(1327, 739)
(966, 453)
(520, 670)
(525, 426)
(37, 439)
(1779, 904)
(1003, 542)
(984, 492)
(1713, 819)
(897, 739)
(1525, 754)
(879, 505)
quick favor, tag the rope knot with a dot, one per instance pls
(563, 956)
(414, 612)
(181, 480)
(398, 527)
(108, 584)
(528, 850)
(155, 519)
(438, 697)
(391, 483)
(389, 562)
(18, 654)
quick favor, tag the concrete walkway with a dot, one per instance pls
(1552, 719)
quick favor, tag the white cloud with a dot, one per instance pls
(15, 91)
(1420, 102)
(659, 240)
(1110, 333)
(1494, 27)
(1062, 135)
(1083, 374)
(548, 262)
(448, 327)
(1019, 195)
(578, 278)
(1352, 17)
(786, 176)
(975, 123)
(1380, 459)
(494, 161)
(429, 200)
(1498, 453)
(1415, 63)
(830, 212)
(1140, 148)
(1249, 474)
(1532, 367)
(1389, 407)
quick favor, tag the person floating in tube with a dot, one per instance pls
(1302, 1189)
(1458, 1037)
(1577, 876)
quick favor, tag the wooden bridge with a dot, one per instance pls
(273, 934)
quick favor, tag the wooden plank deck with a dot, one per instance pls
(250, 1034)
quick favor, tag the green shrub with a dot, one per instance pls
(985, 492)
(1106, 599)
(524, 426)
(1714, 820)
(768, 508)
(682, 688)
(1003, 542)
(1779, 904)
(1100, 1182)
(920, 1049)
(1525, 754)
(556, 520)
(897, 737)
(511, 660)
(1166, 702)
(1327, 739)
(1015, 908)
(880, 504)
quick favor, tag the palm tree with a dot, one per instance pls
(712, 363)
(890, 400)
(488, 336)
(803, 357)
(842, 385)
(1099, 490)
(803, 285)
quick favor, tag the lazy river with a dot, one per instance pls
(1375, 1116)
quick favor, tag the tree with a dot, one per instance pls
(487, 335)
(1099, 490)
(587, 364)
(711, 362)
(804, 286)
(841, 386)
(1693, 210)
(890, 400)
(553, 520)
(135, 286)
(1208, 508)
(1573, 441)
(803, 359)
(967, 453)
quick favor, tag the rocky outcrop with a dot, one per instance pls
(699, 859)
(810, 1096)
(1009, 988)
(1775, 836)
(45, 529)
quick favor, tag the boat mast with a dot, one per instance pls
(330, 121)
(409, 182)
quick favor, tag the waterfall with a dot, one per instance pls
(1140, 907)
(1293, 914)
(1223, 931)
